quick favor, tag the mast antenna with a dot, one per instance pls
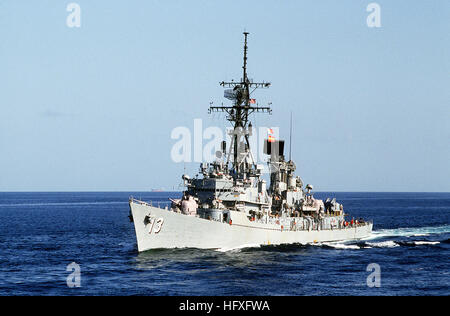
(240, 110)
(290, 140)
(245, 57)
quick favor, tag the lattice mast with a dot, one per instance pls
(238, 113)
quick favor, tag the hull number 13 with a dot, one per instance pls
(155, 225)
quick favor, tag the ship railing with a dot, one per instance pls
(158, 204)
(307, 225)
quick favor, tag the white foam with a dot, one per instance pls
(426, 242)
(410, 231)
(341, 246)
(226, 249)
(383, 244)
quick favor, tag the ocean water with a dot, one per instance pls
(42, 233)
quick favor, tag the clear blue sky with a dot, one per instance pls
(92, 108)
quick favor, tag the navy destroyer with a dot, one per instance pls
(229, 205)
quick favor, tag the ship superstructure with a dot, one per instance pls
(229, 204)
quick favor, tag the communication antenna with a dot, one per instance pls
(290, 140)
(238, 113)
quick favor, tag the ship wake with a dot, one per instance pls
(410, 232)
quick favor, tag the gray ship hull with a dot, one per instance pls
(162, 228)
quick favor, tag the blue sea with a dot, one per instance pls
(42, 233)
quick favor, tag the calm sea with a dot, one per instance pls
(42, 233)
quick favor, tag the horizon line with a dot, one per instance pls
(176, 191)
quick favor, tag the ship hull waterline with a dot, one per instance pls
(161, 228)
